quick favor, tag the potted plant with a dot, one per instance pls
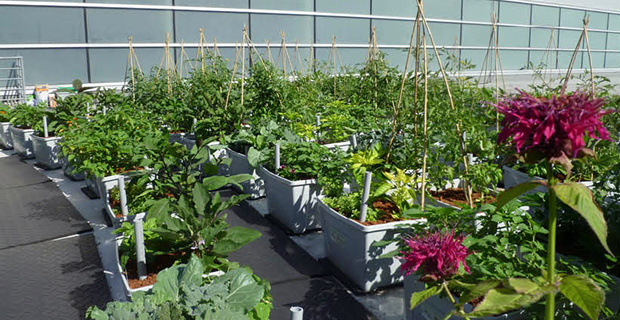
(25, 117)
(307, 170)
(6, 141)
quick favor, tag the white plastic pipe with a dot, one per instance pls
(194, 125)
(318, 128)
(140, 251)
(122, 195)
(297, 313)
(45, 132)
(104, 109)
(277, 157)
(365, 196)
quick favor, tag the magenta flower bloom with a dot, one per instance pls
(438, 254)
(554, 127)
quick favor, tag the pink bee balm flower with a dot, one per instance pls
(552, 127)
(438, 254)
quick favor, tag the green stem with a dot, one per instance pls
(456, 305)
(553, 215)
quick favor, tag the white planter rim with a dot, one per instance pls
(364, 228)
(287, 181)
(11, 127)
(55, 138)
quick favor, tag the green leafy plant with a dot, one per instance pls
(5, 113)
(181, 292)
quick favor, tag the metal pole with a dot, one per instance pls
(365, 195)
(297, 313)
(194, 125)
(277, 156)
(353, 140)
(140, 251)
(318, 128)
(104, 110)
(123, 195)
(45, 132)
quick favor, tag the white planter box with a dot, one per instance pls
(240, 165)
(6, 141)
(344, 146)
(127, 289)
(22, 142)
(348, 247)
(437, 308)
(46, 151)
(292, 203)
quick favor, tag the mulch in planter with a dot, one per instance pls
(385, 209)
(159, 263)
(456, 197)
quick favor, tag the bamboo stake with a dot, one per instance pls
(200, 54)
(269, 57)
(458, 124)
(232, 77)
(299, 66)
(573, 58)
(132, 62)
(425, 124)
(400, 93)
(334, 56)
(311, 59)
(282, 48)
(545, 59)
(586, 20)
(184, 60)
(243, 43)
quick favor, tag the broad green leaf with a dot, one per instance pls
(419, 296)
(235, 238)
(201, 197)
(192, 274)
(263, 310)
(518, 190)
(502, 300)
(159, 208)
(167, 286)
(479, 290)
(583, 292)
(579, 197)
(521, 285)
(255, 157)
(244, 293)
(215, 182)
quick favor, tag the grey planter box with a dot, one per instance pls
(68, 171)
(437, 308)
(348, 247)
(292, 203)
(240, 165)
(6, 141)
(344, 146)
(22, 142)
(46, 151)
(100, 186)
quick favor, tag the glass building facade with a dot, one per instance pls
(63, 40)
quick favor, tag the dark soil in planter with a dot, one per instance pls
(159, 263)
(385, 209)
(125, 170)
(456, 197)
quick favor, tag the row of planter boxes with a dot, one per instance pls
(28, 146)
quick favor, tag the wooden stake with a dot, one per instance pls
(232, 77)
(574, 57)
(586, 20)
(425, 124)
(243, 43)
(132, 63)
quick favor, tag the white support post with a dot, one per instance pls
(297, 313)
(122, 195)
(277, 157)
(45, 132)
(140, 251)
(365, 195)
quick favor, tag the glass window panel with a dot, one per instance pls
(343, 6)
(569, 39)
(541, 37)
(544, 58)
(109, 65)
(445, 34)
(598, 20)
(393, 32)
(613, 41)
(478, 10)
(564, 58)
(614, 22)
(109, 25)
(155, 2)
(399, 8)
(545, 16)
(225, 27)
(513, 59)
(572, 18)
(397, 58)
(51, 66)
(347, 57)
(476, 35)
(598, 59)
(612, 60)
(597, 40)
(243, 4)
(517, 13)
(268, 27)
(445, 9)
(346, 30)
(475, 57)
(513, 37)
(35, 25)
(301, 5)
